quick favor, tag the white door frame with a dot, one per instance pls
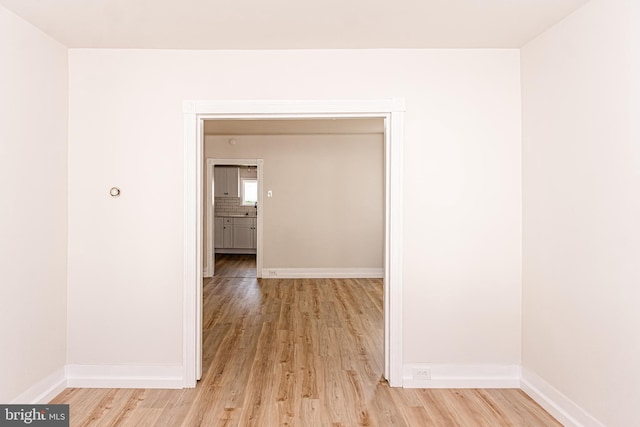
(194, 114)
(209, 267)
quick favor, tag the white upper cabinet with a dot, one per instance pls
(226, 180)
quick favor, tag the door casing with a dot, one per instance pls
(194, 115)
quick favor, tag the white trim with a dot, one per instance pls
(463, 376)
(192, 253)
(555, 402)
(439, 376)
(195, 112)
(287, 108)
(209, 257)
(323, 273)
(260, 212)
(242, 181)
(394, 153)
(125, 376)
(44, 390)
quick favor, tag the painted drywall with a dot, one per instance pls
(33, 218)
(581, 169)
(327, 209)
(462, 189)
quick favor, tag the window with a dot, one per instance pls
(249, 189)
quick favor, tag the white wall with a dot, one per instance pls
(462, 210)
(33, 218)
(327, 209)
(581, 152)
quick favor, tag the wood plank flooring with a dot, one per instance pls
(296, 353)
(227, 265)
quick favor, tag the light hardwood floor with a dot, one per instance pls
(296, 353)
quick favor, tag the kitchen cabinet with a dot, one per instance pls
(235, 233)
(227, 232)
(255, 235)
(244, 233)
(218, 232)
(226, 181)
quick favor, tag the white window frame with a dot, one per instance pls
(242, 200)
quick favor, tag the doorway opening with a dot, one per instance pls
(232, 229)
(195, 115)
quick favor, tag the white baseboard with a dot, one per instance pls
(554, 402)
(322, 273)
(421, 375)
(125, 376)
(44, 390)
(417, 375)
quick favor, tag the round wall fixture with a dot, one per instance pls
(114, 192)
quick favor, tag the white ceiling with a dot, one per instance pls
(293, 24)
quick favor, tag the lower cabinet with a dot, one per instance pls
(243, 235)
(227, 233)
(234, 233)
(218, 233)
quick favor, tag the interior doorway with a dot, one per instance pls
(196, 113)
(233, 215)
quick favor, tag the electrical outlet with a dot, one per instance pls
(421, 374)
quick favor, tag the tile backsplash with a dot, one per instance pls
(231, 206)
